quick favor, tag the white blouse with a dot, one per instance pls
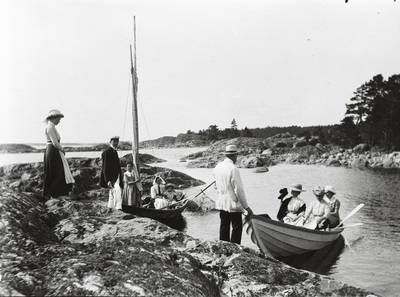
(52, 135)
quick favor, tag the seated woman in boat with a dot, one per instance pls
(293, 207)
(157, 191)
(334, 206)
(316, 216)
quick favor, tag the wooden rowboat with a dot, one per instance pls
(157, 214)
(279, 240)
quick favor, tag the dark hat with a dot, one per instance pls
(170, 185)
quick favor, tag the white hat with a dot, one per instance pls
(318, 191)
(297, 188)
(330, 189)
(231, 149)
(54, 113)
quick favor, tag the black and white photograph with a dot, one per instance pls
(200, 148)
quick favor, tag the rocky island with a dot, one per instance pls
(290, 149)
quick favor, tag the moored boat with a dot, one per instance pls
(167, 213)
(157, 214)
(277, 239)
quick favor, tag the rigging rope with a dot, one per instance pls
(145, 122)
(129, 93)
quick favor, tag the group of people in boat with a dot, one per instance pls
(321, 214)
(164, 195)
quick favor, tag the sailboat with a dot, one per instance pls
(158, 214)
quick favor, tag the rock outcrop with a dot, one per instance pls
(289, 149)
(62, 247)
(86, 172)
(182, 140)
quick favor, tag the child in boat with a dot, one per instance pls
(334, 206)
(131, 193)
(293, 207)
(170, 194)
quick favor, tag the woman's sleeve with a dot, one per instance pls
(51, 132)
(301, 209)
(337, 206)
(152, 192)
(125, 179)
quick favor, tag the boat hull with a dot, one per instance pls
(278, 239)
(157, 214)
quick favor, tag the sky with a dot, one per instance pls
(200, 63)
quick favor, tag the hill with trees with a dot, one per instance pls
(372, 117)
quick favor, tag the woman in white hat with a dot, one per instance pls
(334, 204)
(316, 216)
(58, 179)
(295, 206)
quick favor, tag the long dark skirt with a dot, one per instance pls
(54, 184)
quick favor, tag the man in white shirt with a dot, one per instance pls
(231, 199)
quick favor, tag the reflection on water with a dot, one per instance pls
(371, 257)
(320, 261)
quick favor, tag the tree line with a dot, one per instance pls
(371, 117)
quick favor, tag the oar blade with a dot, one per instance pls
(350, 214)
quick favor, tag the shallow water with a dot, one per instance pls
(371, 259)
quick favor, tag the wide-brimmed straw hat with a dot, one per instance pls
(231, 150)
(114, 138)
(318, 191)
(297, 188)
(54, 113)
(330, 189)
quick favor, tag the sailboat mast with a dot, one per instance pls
(135, 141)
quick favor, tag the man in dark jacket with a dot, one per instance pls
(111, 176)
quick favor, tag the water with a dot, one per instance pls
(371, 260)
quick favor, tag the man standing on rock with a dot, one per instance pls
(111, 176)
(231, 199)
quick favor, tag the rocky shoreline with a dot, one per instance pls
(66, 247)
(70, 247)
(289, 149)
(256, 152)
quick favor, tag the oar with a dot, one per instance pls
(351, 225)
(174, 204)
(349, 215)
(202, 191)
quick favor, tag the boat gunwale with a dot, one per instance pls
(297, 228)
